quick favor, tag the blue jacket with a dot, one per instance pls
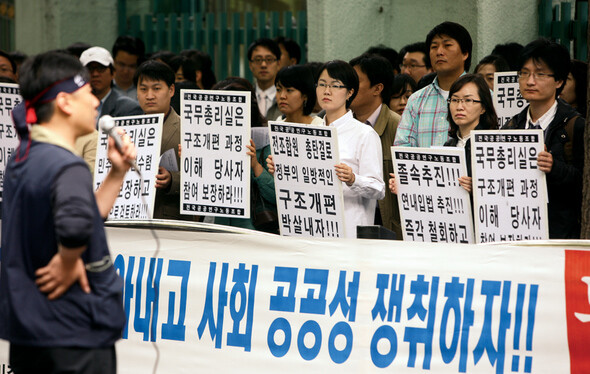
(29, 241)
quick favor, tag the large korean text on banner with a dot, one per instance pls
(215, 170)
(9, 98)
(433, 206)
(509, 191)
(309, 194)
(508, 101)
(138, 192)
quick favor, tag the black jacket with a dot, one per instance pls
(564, 182)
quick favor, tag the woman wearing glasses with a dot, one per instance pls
(470, 107)
(359, 146)
(296, 95)
(361, 160)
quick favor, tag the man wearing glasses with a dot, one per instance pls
(415, 61)
(543, 70)
(263, 57)
(424, 121)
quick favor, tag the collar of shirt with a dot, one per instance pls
(545, 119)
(270, 92)
(106, 96)
(342, 120)
(462, 141)
(372, 120)
(44, 135)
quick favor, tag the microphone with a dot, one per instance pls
(107, 124)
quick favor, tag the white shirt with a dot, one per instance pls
(271, 97)
(360, 148)
(315, 120)
(373, 117)
(545, 119)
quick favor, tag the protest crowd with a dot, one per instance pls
(408, 98)
(427, 95)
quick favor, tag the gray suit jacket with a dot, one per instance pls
(118, 105)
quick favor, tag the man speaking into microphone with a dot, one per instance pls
(60, 297)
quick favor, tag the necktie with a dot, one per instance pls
(262, 104)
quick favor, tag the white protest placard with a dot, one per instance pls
(309, 194)
(509, 191)
(508, 101)
(9, 98)
(215, 169)
(138, 193)
(433, 206)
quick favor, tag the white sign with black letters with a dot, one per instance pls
(509, 191)
(215, 169)
(508, 101)
(309, 194)
(433, 206)
(9, 98)
(137, 196)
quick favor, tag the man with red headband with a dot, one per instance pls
(60, 297)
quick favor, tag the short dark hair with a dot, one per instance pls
(77, 48)
(488, 120)
(457, 32)
(291, 46)
(510, 52)
(387, 52)
(164, 56)
(18, 57)
(43, 70)
(266, 43)
(499, 63)
(188, 66)
(378, 70)
(400, 85)
(10, 60)
(241, 84)
(342, 71)
(554, 55)
(417, 47)
(131, 45)
(204, 64)
(300, 78)
(156, 71)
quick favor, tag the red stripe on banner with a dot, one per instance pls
(577, 299)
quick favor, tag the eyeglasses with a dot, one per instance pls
(410, 66)
(465, 100)
(323, 86)
(260, 60)
(538, 76)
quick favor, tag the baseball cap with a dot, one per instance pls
(96, 54)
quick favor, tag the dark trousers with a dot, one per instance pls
(29, 360)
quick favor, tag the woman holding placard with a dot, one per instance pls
(359, 146)
(470, 107)
(296, 95)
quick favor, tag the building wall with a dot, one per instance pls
(41, 25)
(337, 29)
(343, 29)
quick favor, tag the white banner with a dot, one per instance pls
(138, 193)
(225, 302)
(215, 170)
(433, 206)
(508, 101)
(9, 98)
(309, 194)
(509, 191)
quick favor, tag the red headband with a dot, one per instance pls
(67, 85)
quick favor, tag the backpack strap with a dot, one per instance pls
(568, 148)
